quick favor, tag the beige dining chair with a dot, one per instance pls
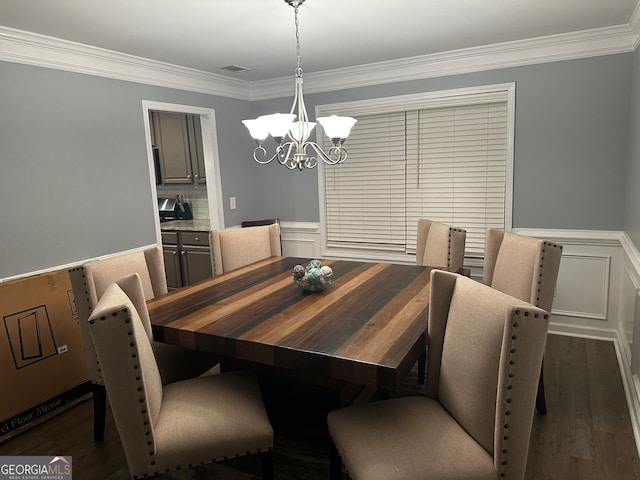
(485, 349)
(236, 247)
(179, 425)
(89, 283)
(526, 268)
(440, 245)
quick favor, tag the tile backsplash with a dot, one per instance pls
(196, 197)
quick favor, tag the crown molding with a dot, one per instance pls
(33, 49)
(28, 48)
(634, 26)
(590, 43)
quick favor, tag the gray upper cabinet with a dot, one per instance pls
(178, 138)
(195, 146)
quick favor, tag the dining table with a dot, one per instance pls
(366, 330)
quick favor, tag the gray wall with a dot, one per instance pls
(632, 211)
(74, 182)
(571, 138)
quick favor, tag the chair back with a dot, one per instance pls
(129, 370)
(258, 223)
(485, 350)
(522, 266)
(91, 280)
(440, 245)
(237, 247)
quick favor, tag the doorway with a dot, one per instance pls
(209, 151)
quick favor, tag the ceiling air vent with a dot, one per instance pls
(235, 68)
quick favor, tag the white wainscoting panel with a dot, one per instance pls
(629, 305)
(635, 335)
(300, 239)
(583, 286)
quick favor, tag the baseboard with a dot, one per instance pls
(594, 333)
(71, 265)
(631, 385)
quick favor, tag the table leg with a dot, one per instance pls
(422, 367)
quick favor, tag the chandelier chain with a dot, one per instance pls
(298, 67)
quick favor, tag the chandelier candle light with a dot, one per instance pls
(293, 152)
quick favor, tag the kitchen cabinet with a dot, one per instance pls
(171, 254)
(197, 152)
(178, 139)
(187, 257)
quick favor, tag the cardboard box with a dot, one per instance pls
(42, 363)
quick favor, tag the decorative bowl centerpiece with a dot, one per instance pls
(314, 277)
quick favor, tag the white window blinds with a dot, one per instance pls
(365, 195)
(445, 158)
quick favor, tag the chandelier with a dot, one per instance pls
(291, 135)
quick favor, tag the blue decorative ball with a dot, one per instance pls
(314, 264)
(314, 274)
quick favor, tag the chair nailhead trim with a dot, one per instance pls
(450, 231)
(508, 400)
(140, 388)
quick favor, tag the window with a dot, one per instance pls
(446, 156)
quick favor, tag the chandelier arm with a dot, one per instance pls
(287, 158)
(342, 153)
(334, 156)
(310, 162)
(263, 155)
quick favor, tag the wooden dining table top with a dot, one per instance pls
(368, 327)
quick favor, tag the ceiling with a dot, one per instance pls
(260, 34)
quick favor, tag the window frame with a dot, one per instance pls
(405, 102)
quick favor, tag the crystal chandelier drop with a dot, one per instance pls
(292, 152)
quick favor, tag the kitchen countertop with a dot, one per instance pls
(195, 225)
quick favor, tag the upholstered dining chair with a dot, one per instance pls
(526, 268)
(485, 349)
(89, 283)
(179, 425)
(236, 247)
(440, 245)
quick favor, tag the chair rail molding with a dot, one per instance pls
(300, 239)
(78, 263)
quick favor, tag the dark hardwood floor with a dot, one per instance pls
(586, 434)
